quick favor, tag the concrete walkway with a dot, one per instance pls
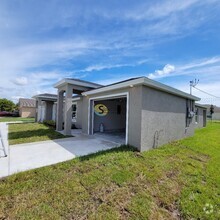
(23, 157)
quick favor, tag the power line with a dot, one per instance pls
(206, 92)
(209, 99)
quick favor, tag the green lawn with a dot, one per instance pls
(179, 180)
(31, 132)
(9, 119)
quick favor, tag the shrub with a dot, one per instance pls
(50, 123)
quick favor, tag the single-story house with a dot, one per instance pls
(146, 112)
(27, 108)
(200, 115)
(46, 107)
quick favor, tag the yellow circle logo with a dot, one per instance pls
(101, 110)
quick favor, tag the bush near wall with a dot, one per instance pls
(50, 123)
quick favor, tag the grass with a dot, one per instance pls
(10, 119)
(31, 132)
(177, 181)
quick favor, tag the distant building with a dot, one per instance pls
(46, 105)
(27, 108)
(215, 115)
(200, 115)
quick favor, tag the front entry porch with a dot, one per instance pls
(67, 88)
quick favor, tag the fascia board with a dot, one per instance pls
(115, 87)
(168, 89)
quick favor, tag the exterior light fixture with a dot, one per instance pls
(131, 86)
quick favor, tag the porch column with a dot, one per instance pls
(45, 111)
(68, 110)
(36, 113)
(54, 112)
(59, 122)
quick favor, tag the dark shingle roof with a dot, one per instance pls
(27, 103)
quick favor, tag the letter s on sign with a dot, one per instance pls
(100, 110)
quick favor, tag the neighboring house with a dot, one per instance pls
(200, 115)
(46, 107)
(27, 108)
(216, 114)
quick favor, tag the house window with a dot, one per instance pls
(74, 112)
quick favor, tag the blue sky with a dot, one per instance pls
(172, 42)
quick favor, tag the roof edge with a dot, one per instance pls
(119, 85)
(201, 106)
(143, 81)
(77, 82)
(169, 89)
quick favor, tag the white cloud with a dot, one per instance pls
(209, 67)
(39, 54)
(95, 67)
(109, 66)
(167, 69)
(158, 10)
(20, 81)
(28, 44)
(206, 70)
(200, 63)
(98, 67)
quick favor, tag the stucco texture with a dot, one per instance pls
(201, 118)
(163, 118)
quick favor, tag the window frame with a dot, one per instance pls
(74, 119)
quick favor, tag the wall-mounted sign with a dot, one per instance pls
(101, 110)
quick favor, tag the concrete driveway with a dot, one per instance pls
(23, 157)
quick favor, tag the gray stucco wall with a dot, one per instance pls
(201, 121)
(48, 110)
(41, 110)
(134, 126)
(163, 118)
(85, 106)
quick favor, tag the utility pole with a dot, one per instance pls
(193, 83)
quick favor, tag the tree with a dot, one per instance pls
(6, 105)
